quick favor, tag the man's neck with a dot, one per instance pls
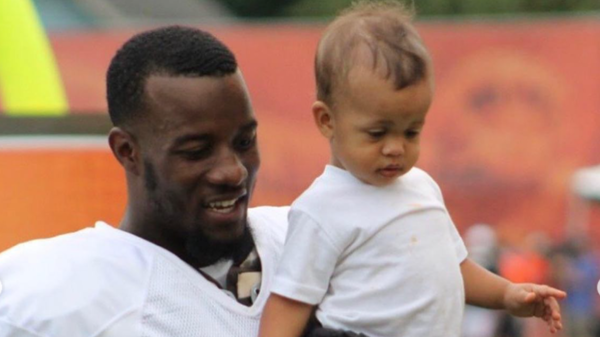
(197, 252)
(157, 235)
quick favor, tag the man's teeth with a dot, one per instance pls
(222, 206)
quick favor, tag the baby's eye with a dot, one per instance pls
(376, 133)
(410, 134)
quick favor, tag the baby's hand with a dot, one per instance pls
(527, 300)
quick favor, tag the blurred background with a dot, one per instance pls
(512, 137)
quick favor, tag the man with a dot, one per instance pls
(188, 259)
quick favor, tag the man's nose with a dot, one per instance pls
(228, 170)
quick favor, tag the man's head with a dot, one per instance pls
(168, 51)
(185, 133)
(374, 88)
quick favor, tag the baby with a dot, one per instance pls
(371, 245)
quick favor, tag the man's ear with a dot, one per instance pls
(323, 117)
(125, 149)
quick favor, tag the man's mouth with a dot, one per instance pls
(223, 206)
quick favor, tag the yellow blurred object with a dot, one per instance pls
(30, 83)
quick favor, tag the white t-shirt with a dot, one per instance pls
(104, 282)
(383, 261)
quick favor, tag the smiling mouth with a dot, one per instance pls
(222, 206)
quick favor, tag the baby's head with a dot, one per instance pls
(374, 88)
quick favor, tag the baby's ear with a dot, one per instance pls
(323, 118)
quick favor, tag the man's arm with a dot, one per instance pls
(283, 317)
(488, 290)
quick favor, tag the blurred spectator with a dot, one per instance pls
(482, 244)
(525, 263)
(576, 269)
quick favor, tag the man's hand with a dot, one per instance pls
(528, 300)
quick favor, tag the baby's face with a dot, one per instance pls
(376, 128)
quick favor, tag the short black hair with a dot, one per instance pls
(171, 51)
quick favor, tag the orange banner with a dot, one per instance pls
(515, 114)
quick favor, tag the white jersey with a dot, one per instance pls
(104, 282)
(383, 261)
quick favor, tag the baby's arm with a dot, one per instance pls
(488, 290)
(283, 317)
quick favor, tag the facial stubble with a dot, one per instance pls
(199, 247)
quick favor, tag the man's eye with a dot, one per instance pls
(247, 142)
(196, 153)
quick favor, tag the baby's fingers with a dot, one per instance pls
(539, 309)
(546, 291)
(552, 304)
(555, 326)
(553, 313)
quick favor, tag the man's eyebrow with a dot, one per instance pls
(250, 126)
(204, 137)
(190, 138)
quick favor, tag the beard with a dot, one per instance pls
(207, 251)
(200, 249)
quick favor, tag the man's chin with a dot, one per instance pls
(227, 233)
(227, 243)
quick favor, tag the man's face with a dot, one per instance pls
(200, 156)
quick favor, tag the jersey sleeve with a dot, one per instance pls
(308, 261)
